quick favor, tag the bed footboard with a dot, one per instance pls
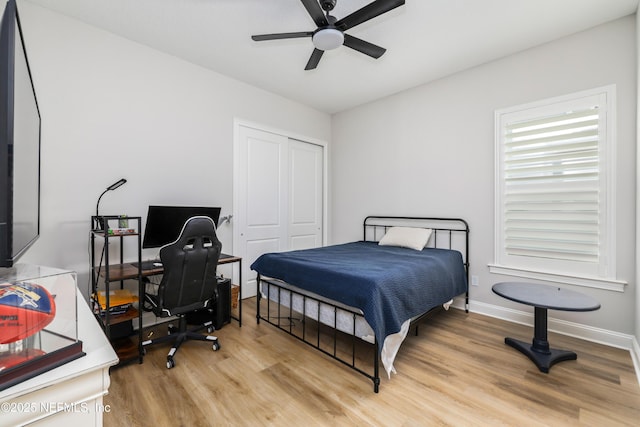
(320, 324)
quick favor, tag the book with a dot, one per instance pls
(118, 299)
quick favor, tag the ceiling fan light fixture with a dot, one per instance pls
(328, 38)
(331, 33)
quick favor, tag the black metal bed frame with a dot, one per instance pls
(283, 316)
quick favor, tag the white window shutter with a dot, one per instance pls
(551, 172)
(554, 176)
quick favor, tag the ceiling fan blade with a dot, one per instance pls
(314, 59)
(314, 9)
(368, 12)
(278, 36)
(364, 47)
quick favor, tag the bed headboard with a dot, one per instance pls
(448, 233)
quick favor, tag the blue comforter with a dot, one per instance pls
(389, 284)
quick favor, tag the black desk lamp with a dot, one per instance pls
(99, 222)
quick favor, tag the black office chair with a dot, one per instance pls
(189, 282)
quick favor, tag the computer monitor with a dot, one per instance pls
(164, 223)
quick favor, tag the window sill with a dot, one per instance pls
(591, 282)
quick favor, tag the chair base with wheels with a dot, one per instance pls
(181, 334)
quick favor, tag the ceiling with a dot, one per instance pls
(425, 39)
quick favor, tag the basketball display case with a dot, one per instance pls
(38, 321)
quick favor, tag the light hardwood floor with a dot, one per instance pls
(458, 372)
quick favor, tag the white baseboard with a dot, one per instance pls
(576, 330)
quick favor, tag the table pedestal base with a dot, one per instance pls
(543, 358)
(543, 298)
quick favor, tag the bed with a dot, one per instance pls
(337, 298)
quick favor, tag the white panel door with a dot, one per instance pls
(278, 197)
(262, 192)
(305, 195)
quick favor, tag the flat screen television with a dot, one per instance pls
(19, 143)
(164, 223)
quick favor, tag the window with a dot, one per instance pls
(555, 189)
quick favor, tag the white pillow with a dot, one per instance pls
(407, 237)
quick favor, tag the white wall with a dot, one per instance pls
(111, 109)
(430, 151)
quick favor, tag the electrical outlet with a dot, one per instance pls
(475, 281)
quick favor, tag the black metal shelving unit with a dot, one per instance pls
(126, 341)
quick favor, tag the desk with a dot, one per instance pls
(542, 298)
(129, 271)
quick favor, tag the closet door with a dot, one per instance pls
(305, 195)
(278, 197)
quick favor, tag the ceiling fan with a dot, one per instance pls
(330, 33)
